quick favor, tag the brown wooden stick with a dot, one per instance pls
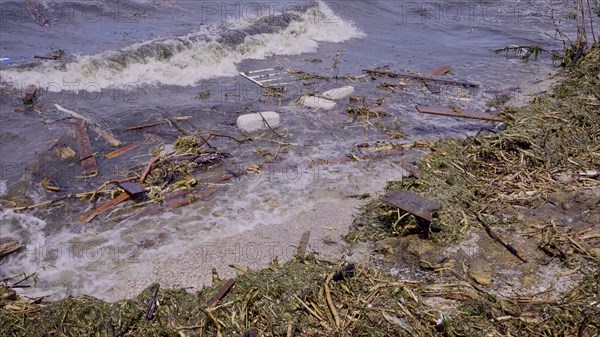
(148, 168)
(303, 245)
(221, 293)
(421, 77)
(494, 236)
(104, 207)
(139, 127)
(121, 151)
(152, 303)
(86, 155)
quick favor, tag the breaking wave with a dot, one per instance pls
(211, 52)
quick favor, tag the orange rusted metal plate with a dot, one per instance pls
(412, 203)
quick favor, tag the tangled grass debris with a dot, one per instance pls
(544, 150)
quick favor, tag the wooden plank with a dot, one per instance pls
(438, 110)
(412, 203)
(86, 155)
(140, 127)
(104, 207)
(122, 151)
(221, 293)
(133, 189)
(433, 87)
(421, 77)
(440, 71)
(301, 252)
(148, 168)
(110, 139)
(187, 197)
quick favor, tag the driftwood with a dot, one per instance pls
(412, 203)
(105, 135)
(148, 168)
(55, 55)
(132, 188)
(86, 155)
(429, 78)
(301, 252)
(498, 239)
(152, 304)
(122, 151)
(140, 127)
(433, 87)
(104, 207)
(221, 293)
(437, 110)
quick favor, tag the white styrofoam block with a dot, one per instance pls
(254, 122)
(339, 93)
(317, 103)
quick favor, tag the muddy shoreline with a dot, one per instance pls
(532, 185)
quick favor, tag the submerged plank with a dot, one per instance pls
(440, 71)
(121, 151)
(433, 87)
(438, 110)
(412, 203)
(132, 188)
(86, 155)
(403, 74)
(104, 207)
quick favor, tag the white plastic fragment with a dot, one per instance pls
(317, 103)
(589, 173)
(254, 122)
(339, 93)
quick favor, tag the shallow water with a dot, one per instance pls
(133, 62)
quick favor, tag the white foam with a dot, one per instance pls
(195, 57)
(3, 188)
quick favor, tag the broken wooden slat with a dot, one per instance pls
(86, 155)
(148, 168)
(438, 110)
(421, 77)
(104, 207)
(187, 197)
(140, 127)
(434, 88)
(121, 151)
(412, 203)
(131, 188)
(110, 139)
(221, 293)
(152, 303)
(440, 71)
(301, 252)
